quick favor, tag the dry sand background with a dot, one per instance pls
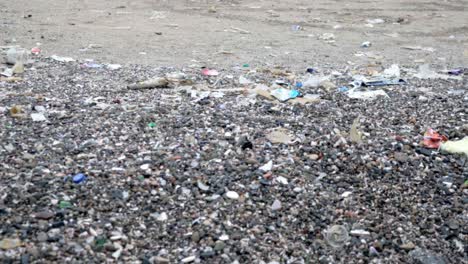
(181, 33)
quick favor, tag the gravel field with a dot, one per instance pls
(210, 167)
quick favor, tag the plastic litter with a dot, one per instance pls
(296, 27)
(11, 79)
(79, 178)
(7, 73)
(327, 37)
(64, 204)
(375, 21)
(311, 70)
(18, 68)
(35, 50)
(393, 71)
(428, 49)
(425, 72)
(343, 89)
(456, 147)
(208, 72)
(315, 81)
(306, 99)
(113, 66)
(377, 81)
(458, 71)
(62, 59)
(15, 55)
(433, 139)
(366, 95)
(267, 167)
(38, 117)
(366, 44)
(151, 125)
(284, 94)
(92, 65)
(244, 81)
(337, 236)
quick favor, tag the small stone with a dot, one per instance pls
(219, 245)
(401, 157)
(9, 243)
(422, 98)
(161, 260)
(195, 237)
(232, 195)
(161, 217)
(408, 246)
(276, 205)
(453, 224)
(314, 156)
(41, 237)
(203, 186)
(188, 259)
(421, 256)
(45, 215)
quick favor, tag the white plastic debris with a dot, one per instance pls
(62, 59)
(346, 194)
(314, 81)
(375, 21)
(367, 95)
(425, 72)
(393, 71)
(161, 217)
(366, 44)
(359, 232)
(224, 237)
(38, 117)
(188, 259)
(459, 146)
(113, 66)
(244, 81)
(267, 167)
(282, 180)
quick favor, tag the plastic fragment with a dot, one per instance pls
(284, 94)
(433, 139)
(79, 178)
(208, 72)
(456, 147)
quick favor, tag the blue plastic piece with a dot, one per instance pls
(343, 89)
(79, 178)
(294, 94)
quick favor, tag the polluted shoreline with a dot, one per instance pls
(250, 164)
